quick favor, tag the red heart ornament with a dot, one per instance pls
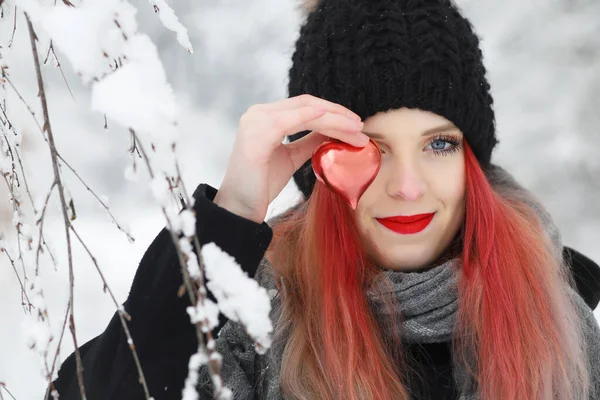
(345, 169)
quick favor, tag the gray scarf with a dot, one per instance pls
(428, 304)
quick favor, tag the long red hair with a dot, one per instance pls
(516, 329)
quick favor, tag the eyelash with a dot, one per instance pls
(454, 141)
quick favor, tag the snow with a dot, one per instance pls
(160, 190)
(87, 34)
(185, 223)
(208, 311)
(542, 58)
(146, 102)
(170, 21)
(239, 297)
(189, 390)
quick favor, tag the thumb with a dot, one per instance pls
(302, 149)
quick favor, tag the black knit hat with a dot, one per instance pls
(377, 55)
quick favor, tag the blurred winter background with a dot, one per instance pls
(543, 58)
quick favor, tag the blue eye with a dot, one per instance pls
(439, 144)
(444, 145)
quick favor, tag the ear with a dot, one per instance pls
(587, 276)
(308, 6)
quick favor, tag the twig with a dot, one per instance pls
(123, 315)
(10, 126)
(16, 206)
(19, 159)
(18, 156)
(129, 237)
(187, 279)
(25, 179)
(3, 386)
(62, 332)
(134, 149)
(48, 129)
(23, 291)
(194, 295)
(5, 76)
(40, 221)
(187, 203)
(12, 38)
(51, 49)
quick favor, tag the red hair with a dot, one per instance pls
(515, 329)
(515, 311)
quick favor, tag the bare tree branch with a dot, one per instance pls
(40, 222)
(12, 37)
(48, 129)
(17, 153)
(5, 76)
(60, 339)
(3, 386)
(23, 291)
(123, 315)
(51, 50)
(196, 296)
(129, 237)
(119, 226)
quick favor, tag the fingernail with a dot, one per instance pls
(364, 139)
(353, 115)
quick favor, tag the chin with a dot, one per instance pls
(406, 258)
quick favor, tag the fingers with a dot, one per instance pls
(338, 127)
(272, 127)
(334, 125)
(305, 100)
(302, 149)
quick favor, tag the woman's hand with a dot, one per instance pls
(260, 165)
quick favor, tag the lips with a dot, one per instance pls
(407, 224)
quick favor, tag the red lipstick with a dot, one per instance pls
(407, 224)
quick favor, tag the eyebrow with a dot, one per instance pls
(427, 132)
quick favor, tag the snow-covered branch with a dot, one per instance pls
(101, 42)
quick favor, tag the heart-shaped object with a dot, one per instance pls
(345, 169)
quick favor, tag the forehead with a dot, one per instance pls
(404, 121)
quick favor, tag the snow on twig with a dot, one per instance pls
(240, 298)
(128, 84)
(171, 22)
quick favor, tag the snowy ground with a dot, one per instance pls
(543, 59)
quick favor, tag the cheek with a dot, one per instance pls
(366, 209)
(447, 182)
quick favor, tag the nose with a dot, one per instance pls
(405, 180)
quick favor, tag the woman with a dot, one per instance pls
(473, 299)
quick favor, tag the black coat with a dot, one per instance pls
(165, 339)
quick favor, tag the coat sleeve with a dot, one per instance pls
(586, 274)
(160, 327)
